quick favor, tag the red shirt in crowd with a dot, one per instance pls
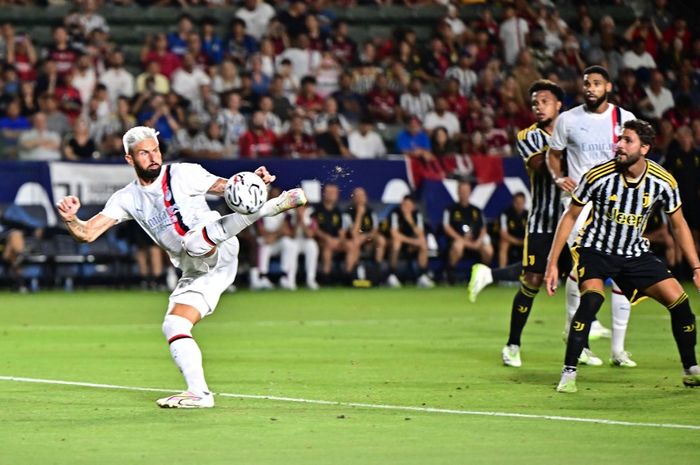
(457, 104)
(297, 146)
(64, 58)
(169, 62)
(383, 105)
(254, 145)
(313, 103)
(69, 101)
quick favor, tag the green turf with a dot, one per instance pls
(400, 347)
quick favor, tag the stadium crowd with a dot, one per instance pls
(286, 79)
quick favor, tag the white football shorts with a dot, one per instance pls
(204, 279)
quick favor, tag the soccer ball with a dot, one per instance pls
(245, 192)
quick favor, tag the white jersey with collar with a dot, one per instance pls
(589, 138)
(167, 208)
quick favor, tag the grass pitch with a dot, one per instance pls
(420, 348)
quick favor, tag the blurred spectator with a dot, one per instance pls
(117, 79)
(329, 231)
(350, 103)
(638, 57)
(605, 48)
(414, 141)
(644, 30)
(687, 88)
(330, 111)
(294, 18)
(301, 57)
(39, 143)
(227, 79)
(365, 142)
(117, 123)
(341, 45)
(276, 237)
(240, 45)
(290, 83)
(257, 142)
(408, 240)
(56, 120)
(308, 99)
(296, 143)
(464, 75)
(683, 113)
(13, 248)
(272, 121)
(659, 96)
(487, 91)
(257, 14)
(512, 33)
(658, 13)
(158, 114)
(553, 26)
(152, 80)
(28, 99)
(496, 139)
(232, 122)
(382, 103)
(415, 102)
(85, 78)
(363, 235)
(512, 227)
(68, 97)
(332, 141)
(630, 94)
(327, 75)
(683, 162)
(317, 37)
(267, 56)
(177, 40)
(188, 79)
(212, 45)
(194, 48)
(12, 125)
(80, 146)
(281, 104)
(441, 117)
(452, 19)
(260, 80)
(156, 49)
(87, 19)
(61, 52)
(465, 228)
(20, 54)
(525, 73)
(585, 35)
(210, 143)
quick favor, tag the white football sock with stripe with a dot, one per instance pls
(185, 352)
(573, 299)
(621, 310)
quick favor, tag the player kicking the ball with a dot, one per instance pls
(623, 193)
(168, 203)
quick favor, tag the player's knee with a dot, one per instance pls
(176, 327)
(591, 300)
(197, 244)
(533, 280)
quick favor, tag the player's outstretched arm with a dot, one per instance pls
(686, 243)
(564, 183)
(83, 231)
(566, 224)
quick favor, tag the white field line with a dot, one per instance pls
(401, 408)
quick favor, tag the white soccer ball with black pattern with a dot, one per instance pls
(245, 193)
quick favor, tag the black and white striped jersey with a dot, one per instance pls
(621, 209)
(546, 205)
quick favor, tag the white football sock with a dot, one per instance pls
(185, 352)
(620, 307)
(573, 298)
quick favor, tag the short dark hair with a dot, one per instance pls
(597, 69)
(519, 194)
(546, 84)
(644, 130)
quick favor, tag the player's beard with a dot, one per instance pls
(597, 103)
(544, 123)
(147, 174)
(631, 160)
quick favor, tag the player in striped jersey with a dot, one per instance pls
(532, 144)
(588, 133)
(623, 193)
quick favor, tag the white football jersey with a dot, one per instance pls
(589, 138)
(167, 208)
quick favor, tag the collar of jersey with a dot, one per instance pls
(156, 184)
(636, 184)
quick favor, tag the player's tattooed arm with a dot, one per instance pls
(218, 187)
(83, 231)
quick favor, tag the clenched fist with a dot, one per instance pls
(68, 207)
